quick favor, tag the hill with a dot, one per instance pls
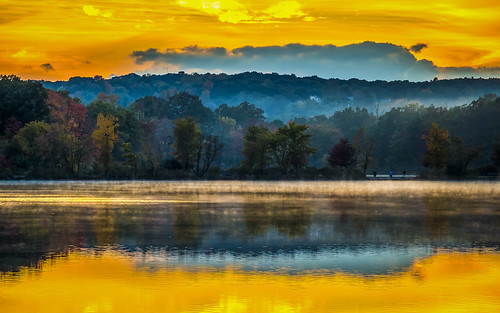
(283, 96)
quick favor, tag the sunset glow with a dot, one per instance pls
(59, 39)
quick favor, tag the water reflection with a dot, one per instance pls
(92, 280)
(378, 232)
(249, 247)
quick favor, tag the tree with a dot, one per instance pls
(343, 155)
(350, 120)
(69, 130)
(183, 104)
(290, 146)
(97, 107)
(23, 100)
(495, 154)
(110, 98)
(104, 137)
(150, 107)
(364, 144)
(131, 159)
(461, 156)
(187, 139)
(67, 112)
(207, 150)
(438, 148)
(226, 128)
(256, 149)
(244, 113)
(29, 140)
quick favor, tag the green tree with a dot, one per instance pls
(131, 159)
(495, 154)
(150, 107)
(350, 120)
(97, 107)
(29, 139)
(291, 147)
(104, 137)
(187, 139)
(244, 113)
(438, 149)
(461, 157)
(183, 104)
(226, 128)
(256, 149)
(23, 100)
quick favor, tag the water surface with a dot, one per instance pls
(249, 246)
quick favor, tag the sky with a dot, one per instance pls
(366, 39)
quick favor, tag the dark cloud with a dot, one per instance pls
(367, 60)
(47, 67)
(418, 47)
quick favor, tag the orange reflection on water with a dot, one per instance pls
(110, 282)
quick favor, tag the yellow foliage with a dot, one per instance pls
(105, 136)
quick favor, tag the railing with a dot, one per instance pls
(395, 177)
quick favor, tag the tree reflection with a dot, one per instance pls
(187, 223)
(104, 227)
(29, 233)
(438, 213)
(289, 220)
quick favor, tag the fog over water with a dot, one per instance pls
(359, 227)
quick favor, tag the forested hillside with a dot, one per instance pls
(175, 135)
(283, 96)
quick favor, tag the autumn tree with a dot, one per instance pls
(187, 139)
(438, 149)
(342, 155)
(69, 130)
(104, 137)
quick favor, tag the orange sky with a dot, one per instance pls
(58, 39)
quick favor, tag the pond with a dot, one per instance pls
(234, 246)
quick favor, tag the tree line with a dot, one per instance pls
(47, 134)
(283, 96)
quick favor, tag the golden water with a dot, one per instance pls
(110, 282)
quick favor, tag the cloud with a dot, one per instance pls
(285, 9)
(418, 47)
(93, 11)
(367, 60)
(235, 12)
(47, 67)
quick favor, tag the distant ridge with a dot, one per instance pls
(284, 96)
